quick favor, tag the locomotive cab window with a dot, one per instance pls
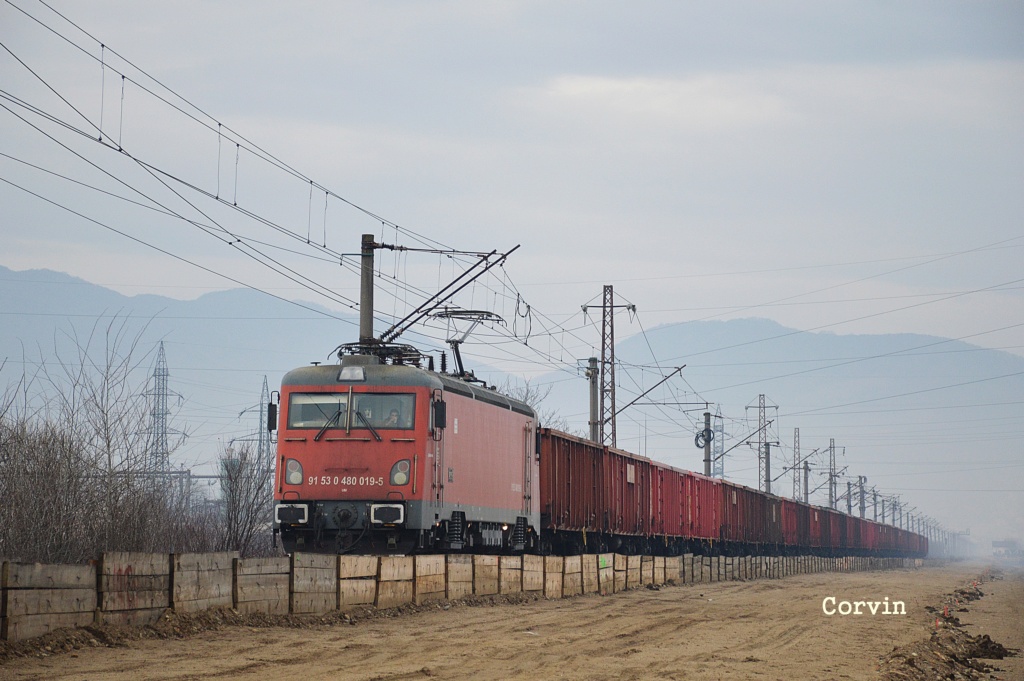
(383, 410)
(316, 410)
(388, 411)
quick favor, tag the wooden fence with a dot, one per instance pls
(133, 589)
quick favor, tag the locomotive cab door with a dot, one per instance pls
(529, 442)
(438, 425)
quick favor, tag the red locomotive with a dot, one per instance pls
(389, 457)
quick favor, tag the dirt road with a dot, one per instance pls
(766, 629)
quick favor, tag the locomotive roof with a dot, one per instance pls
(401, 375)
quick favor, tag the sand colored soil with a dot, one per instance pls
(765, 629)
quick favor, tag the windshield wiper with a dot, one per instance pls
(367, 423)
(330, 422)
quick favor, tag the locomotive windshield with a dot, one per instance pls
(384, 410)
(317, 410)
(389, 411)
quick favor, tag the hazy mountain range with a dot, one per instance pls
(913, 413)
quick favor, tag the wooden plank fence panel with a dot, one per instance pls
(313, 581)
(37, 598)
(262, 585)
(429, 565)
(26, 602)
(395, 569)
(533, 573)
(485, 575)
(393, 593)
(260, 588)
(126, 600)
(460, 568)
(21, 627)
(353, 592)
(658, 575)
(572, 576)
(203, 562)
(553, 566)
(42, 576)
(647, 569)
(134, 600)
(263, 566)
(135, 582)
(572, 584)
(130, 618)
(131, 563)
(590, 578)
(460, 577)
(313, 603)
(429, 584)
(192, 586)
(352, 567)
(315, 561)
(510, 574)
(633, 572)
(278, 606)
(429, 588)
(606, 573)
(674, 569)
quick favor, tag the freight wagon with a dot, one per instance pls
(595, 498)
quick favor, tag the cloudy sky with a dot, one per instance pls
(854, 167)
(709, 160)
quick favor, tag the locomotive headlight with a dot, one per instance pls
(400, 472)
(293, 472)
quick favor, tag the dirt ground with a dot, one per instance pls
(765, 629)
(1000, 615)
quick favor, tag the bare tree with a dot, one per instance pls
(534, 396)
(73, 477)
(246, 494)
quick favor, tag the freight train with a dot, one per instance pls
(382, 456)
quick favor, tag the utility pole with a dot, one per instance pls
(762, 438)
(608, 411)
(608, 368)
(849, 498)
(807, 488)
(718, 466)
(594, 376)
(707, 443)
(860, 481)
(832, 473)
(883, 510)
(157, 456)
(874, 504)
(764, 477)
(796, 463)
(366, 336)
